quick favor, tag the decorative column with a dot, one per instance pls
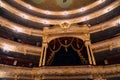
(43, 54)
(41, 57)
(44, 48)
(92, 55)
(88, 52)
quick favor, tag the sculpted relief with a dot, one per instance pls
(60, 3)
(64, 3)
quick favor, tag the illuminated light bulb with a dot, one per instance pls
(24, 16)
(18, 29)
(117, 22)
(101, 1)
(108, 9)
(7, 47)
(46, 22)
(47, 12)
(86, 18)
(29, 7)
(65, 13)
(82, 9)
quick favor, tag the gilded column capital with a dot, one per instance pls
(45, 44)
(87, 42)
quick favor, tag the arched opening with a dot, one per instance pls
(66, 51)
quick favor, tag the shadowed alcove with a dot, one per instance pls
(66, 51)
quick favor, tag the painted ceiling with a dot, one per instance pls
(59, 5)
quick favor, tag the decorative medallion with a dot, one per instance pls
(64, 3)
(65, 25)
(59, 5)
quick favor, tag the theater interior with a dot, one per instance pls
(59, 39)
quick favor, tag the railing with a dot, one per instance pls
(8, 45)
(106, 45)
(28, 49)
(55, 21)
(22, 3)
(31, 31)
(60, 72)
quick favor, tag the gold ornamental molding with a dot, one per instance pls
(106, 45)
(55, 21)
(106, 25)
(61, 72)
(33, 50)
(69, 12)
(20, 28)
(35, 32)
(8, 45)
(65, 25)
(81, 32)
